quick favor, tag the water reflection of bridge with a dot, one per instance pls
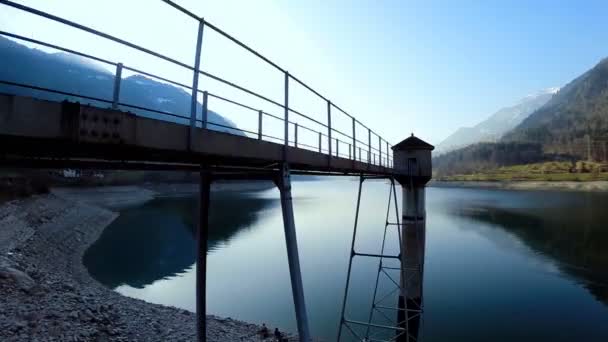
(39, 130)
(170, 232)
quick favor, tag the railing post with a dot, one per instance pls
(204, 114)
(354, 135)
(329, 128)
(337, 148)
(286, 104)
(380, 150)
(350, 156)
(296, 135)
(320, 142)
(117, 81)
(260, 113)
(387, 156)
(369, 145)
(359, 153)
(197, 64)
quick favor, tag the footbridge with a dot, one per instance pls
(47, 126)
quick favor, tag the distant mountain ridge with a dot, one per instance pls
(499, 123)
(579, 111)
(74, 74)
(571, 126)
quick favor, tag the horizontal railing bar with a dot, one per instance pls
(308, 87)
(272, 137)
(239, 43)
(342, 133)
(306, 128)
(363, 143)
(273, 116)
(182, 9)
(257, 110)
(88, 98)
(56, 47)
(153, 110)
(232, 101)
(233, 128)
(356, 120)
(93, 31)
(156, 76)
(315, 148)
(254, 109)
(234, 85)
(307, 117)
(53, 91)
(345, 113)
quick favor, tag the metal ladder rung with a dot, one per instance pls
(377, 255)
(381, 326)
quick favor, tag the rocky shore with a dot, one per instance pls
(48, 295)
(595, 186)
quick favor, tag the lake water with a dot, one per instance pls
(500, 265)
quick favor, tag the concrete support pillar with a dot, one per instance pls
(202, 233)
(284, 184)
(413, 237)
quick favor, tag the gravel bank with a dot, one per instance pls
(597, 186)
(48, 295)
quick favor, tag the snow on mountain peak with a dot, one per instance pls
(551, 90)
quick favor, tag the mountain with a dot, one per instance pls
(74, 74)
(575, 120)
(499, 123)
(571, 126)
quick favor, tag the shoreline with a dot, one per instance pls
(48, 294)
(590, 186)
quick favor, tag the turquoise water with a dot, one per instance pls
(500, 265)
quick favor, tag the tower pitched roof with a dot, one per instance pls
(413, 143)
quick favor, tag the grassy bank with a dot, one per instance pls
(581, 171)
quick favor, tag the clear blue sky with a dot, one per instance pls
(399, 66)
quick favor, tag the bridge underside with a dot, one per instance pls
(40, 133)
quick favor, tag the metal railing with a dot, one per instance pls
(330, 140)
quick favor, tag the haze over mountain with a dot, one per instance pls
(74, 74)
(499, 123)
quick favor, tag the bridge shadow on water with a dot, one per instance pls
(574, 238)
(156, 240)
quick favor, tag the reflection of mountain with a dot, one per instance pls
(576, 240)
(156, 240)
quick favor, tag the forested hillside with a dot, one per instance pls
(578, 110)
